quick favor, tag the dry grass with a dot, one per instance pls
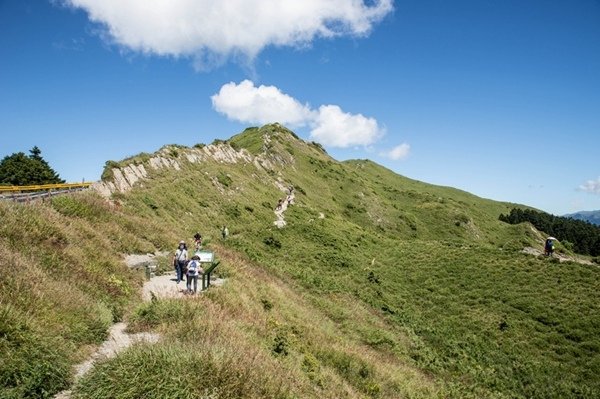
(62, 280)
(271, 328)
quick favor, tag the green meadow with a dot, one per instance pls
(379, 286)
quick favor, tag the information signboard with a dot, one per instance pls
(205, 256)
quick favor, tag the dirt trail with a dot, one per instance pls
(279, 211)
(165, 286)
(560, 257)
(119, 339)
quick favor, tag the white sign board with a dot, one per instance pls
(205, 256)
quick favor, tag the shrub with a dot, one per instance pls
(267, 304)
(107, 173)
(281, 344)
(224, 179)
(272, 242)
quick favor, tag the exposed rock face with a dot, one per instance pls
(126, 177)
(123, 179)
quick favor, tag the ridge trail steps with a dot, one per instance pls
(289, 199)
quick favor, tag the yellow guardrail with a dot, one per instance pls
(43, 187)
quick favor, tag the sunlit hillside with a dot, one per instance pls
(376, 286)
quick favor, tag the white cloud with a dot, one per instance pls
(397, 153)
(264, 104)
(211, 31)
(330, 125)
(336, 128)
(591, 186)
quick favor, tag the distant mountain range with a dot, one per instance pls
(588, 216)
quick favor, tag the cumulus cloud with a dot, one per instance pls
(215, 30)
(336, 128)
(264, 104)
(591, 186)
(397, 153)
(329, 125)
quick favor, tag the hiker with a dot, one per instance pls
(180, 260)
(289, 200)
(549, 247)
(291, 190)
(225, 232)
(193, 271)
(279, 204)
(197, 241)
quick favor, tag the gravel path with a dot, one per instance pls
(118, 340)
(164, 286)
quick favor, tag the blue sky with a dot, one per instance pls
(498, 98)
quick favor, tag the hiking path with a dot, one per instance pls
(280, 210)
(161, 287)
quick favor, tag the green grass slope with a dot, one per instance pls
(378, 286)
(62, 284)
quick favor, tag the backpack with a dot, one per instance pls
(193, 268)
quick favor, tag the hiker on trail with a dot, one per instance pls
(225, 232)
(180, 259)
(279, 204)
(193, 271)
(291, 190)
(197, 241)
(289, 200)
(549, 247)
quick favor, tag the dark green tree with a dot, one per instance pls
(19, 169)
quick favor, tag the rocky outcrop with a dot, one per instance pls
(125, 178)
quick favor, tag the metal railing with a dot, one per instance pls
(40, 191)
(43, 187)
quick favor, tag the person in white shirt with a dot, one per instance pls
(180, 259)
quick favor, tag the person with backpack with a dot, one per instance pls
(549, 247)
(180, 260)
(193, 271)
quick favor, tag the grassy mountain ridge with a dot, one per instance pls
(378, 286)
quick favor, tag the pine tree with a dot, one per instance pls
(20, 170)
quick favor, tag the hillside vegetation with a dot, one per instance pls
(578, 235)
(378, 286)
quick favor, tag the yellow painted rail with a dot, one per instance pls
(43, 187)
